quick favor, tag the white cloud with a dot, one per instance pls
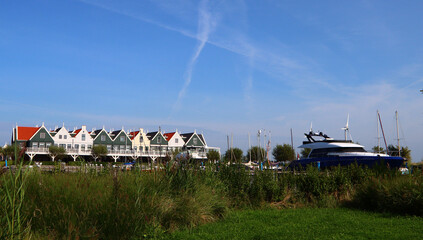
(206, 24)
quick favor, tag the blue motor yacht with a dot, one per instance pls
(328, 152)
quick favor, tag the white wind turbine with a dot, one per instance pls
(347, 129)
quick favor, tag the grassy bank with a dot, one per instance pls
(306, 223)
(112, 204)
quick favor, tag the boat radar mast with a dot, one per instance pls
(312, 134)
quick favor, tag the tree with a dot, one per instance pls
(98, 151)
(405, 152)
(9, 151)
(377, 149)
(393, 150)
(234, 155)
(213, 155)
(56, 152)
(283, 153)
(258, 154)
(305, 152)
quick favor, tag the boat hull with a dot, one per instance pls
(327, 162)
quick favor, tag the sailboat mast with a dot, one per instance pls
(249, 146)
(398, 139)
(378, 134)
(383, 133)
(292, 141)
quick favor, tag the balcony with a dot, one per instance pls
(197, 153)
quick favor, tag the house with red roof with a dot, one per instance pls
(37, 137)
(175, 140)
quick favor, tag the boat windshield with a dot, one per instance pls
(323, 152)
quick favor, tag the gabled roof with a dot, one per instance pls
(96, 132)
(169, 136)
(25, 133)
(39, 129)
(202, 138)
(76, 132)
(114, 134)
(151, 135)
(188, 136)
(132, 135)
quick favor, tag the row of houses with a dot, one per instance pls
(119, 143)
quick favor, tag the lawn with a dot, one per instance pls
(339, 223)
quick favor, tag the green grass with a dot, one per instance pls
(307, 223)
(114, 204)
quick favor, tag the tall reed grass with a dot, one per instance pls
(14, 222)
(111, 204)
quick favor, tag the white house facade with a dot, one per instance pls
(81, 139)
(175, 141)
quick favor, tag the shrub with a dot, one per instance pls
(401, 195)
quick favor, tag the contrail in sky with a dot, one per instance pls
(205, 26)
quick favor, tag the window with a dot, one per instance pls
(82, 146)
(135, 148)
(159, 140)
(48, 144)
(176, 140)
(127, 147)
(65, 136)
(122, 138)
(42, 144)
(60, 136)
(69, 146)
(76, 146)
(89, 147)
(34, 144)
(195, 141)
(109, 147)
(323, 152)
(103, 138)
(62, 145)
(141, 139)
(83, 137)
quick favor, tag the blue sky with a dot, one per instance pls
(220, 67)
